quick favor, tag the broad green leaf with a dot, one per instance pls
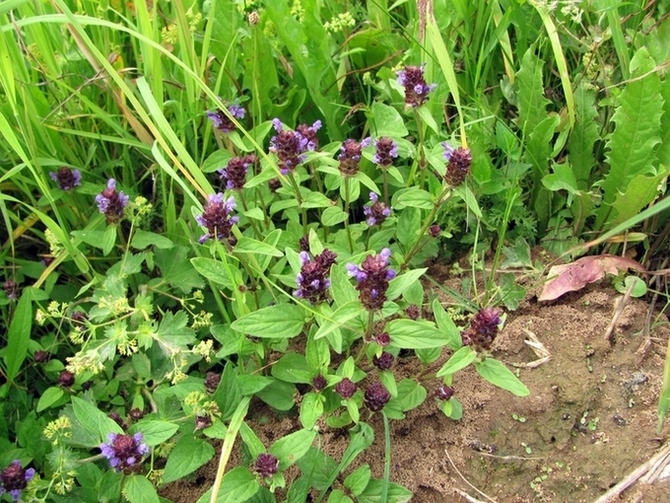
(411, 334)
(402, 282)
(278, 394)
(531, 101)
(459, 360)
(464, 192)
(338, 318)
(583, 137)
(409, 224)
(410, 395)
(250, 245)
(358, 480)
(332, 216)
(177, 270)
(277, 322)
(386, 121)
(338, 496)
(641, 191)
(563, 178)
(109, 239)
(293, 368)
(415, 198)
(316, 200)
(138, 489)
(227, 394)
(94, 420)
(318, 467)
(663, 152)
(188, 455)
(496, 373)
(447, 326)
(18, 336)
(292, 447)
(154, 431)
(311, 409)
(213, 270)
(217, 160)
(238, 485)
(341, 288)
(373, 492)
(50, 396)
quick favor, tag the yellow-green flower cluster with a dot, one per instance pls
(339, 22)
(58, 430)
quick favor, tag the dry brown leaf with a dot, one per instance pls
(576, 275)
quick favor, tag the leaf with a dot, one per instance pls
(338, 496)
(50, 396)
(293, 368)
(576, 275)
(532, 103)
(292, 447)
(311, 409)
(496, 373)
(415, 334)
(213, 270)
(402, 282)
(138, 489)
(641, 191)
(447, 326)
(173, 335)
(154, 431)
(415, 198)
(639, 287)
(373, 492)
(358, 480)
(332, 216)
(18, 336)
(94, 420)
(459, 360)
(339, 318)
(386, 121)
(318, 467)
(239, 484)
(277, 322)
(583, 136)
(177, 270)
(278, 394)
(188, 455)
(638, 122)
(663, 152)
(250, 245)
(563, 178)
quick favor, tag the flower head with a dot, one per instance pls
(289, 146)
(416, 89)
(66, 378)
(386, 151)
(309, 133)
(212, 380)
(222, 122)
(376, 396)
(350, 155)
(483, 329)
(312, 279)
(266, 465)
(216, 218)
(111, 203)
(373, 278)
(377, 212)
(458, 166)
(319, 382)
(384, 362)
(235, 172)
(413, 312)
(434, 230)
(11, 289)
(444, 392)
(124, 451)
(14, 479)
(346, 388)
(383, 339)
(66, 178)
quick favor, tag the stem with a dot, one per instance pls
(251, 220)
(346, 210)
(386, 186)
(367, 336)
(427, 223)
(227, 446)
(501, 241)
(296, 189)
(387, 458)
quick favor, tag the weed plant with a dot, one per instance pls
(206, 203)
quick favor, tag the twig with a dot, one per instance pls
(609, 333)
(509, 458)
(538, 348)
(467, 496)
(466, 480)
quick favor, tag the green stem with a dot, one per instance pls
(298, 197)
(258, 234)
(347, 195)
(387, 458)
(227, 447)
(386, 186)
(427, 223)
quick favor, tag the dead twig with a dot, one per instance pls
(538, 348)
(620, 306)
(466, 480)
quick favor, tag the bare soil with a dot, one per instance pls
(589, 421)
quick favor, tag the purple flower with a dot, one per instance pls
(458, 166)
(387, 150)
(289, 147)
(383, 339)
(111, 203)
(11, 289)
(319, 382)
(376, 396)
(373, 278)
(416, 89)
(413, 312)
(66, 378)
(309, 133)
(346, 388)
(377, 212)
(14, 479)
(434, 230)
(444, 392)
(235, 173)
(483, 329)
(124, 451)
(312, 279)
(212, 380)
(216, 218)
(203, 421)
(266, 465)
(222, 122)
(66, 178)
(384, 362)
(350, 155)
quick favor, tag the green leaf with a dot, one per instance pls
(459, 360)
(109, 239)
(410, 395)
(402, 282)
(386, 121)
(239, 484)
(464, 192)
(227, 395)
(138, 489)
(293, 368)
(177, 270)
(409, 224)
(292, 447)
(332, 216)
(338, 496)
(154, 431)
(447, 326)
(358, 480)
(217, 160)
(213, 270)
(316, 200)
(278, 394)
(341, 288)
(277, 322)
(250, 245)
(373, 492)
(411, 334)
(638, 285)
(641, 191)
(311, 410)
(319, 467)
(173, 335)
(18, 336)
(583, 136)
(638, 121)
(94, 420)
(496, 373)
(415, 198)
(563, 178)
(663, 152)
(338, 318)
(188, 455)
(50, 396)
(531, 101)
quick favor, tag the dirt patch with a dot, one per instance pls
(589, 421)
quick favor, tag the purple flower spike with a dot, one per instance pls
(235, 173)
(216, 218)
(14, 479)
(350, 156)
(124, 451)
(376, 396)
(66, 178)
(312, 279)
(309, 133)
(387, 150)
(416, 89)
(458, 166)
(111, 203)
(384, 362)
(222, 122)
(289, 146)
(373, 278)
(266, 465)
(483, 329)
(346, 388)
(377, 212)
(444, 392)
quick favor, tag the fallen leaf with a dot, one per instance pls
(576, 275)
